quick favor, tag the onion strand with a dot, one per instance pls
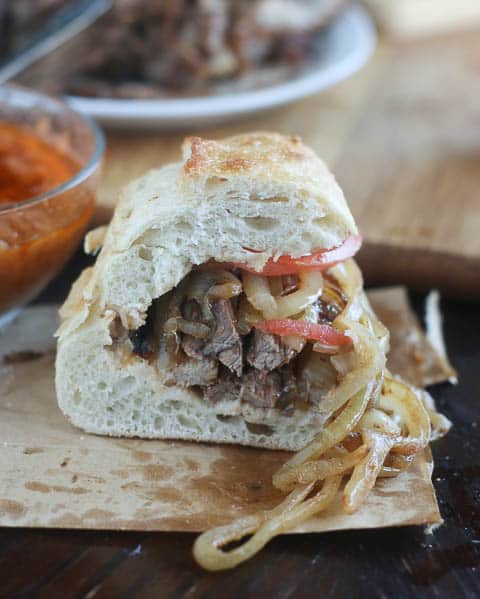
(376, 423)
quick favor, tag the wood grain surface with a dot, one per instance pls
(388, 563)
(403, 138)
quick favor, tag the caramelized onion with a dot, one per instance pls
(247, 316)
(199, 283)
(225, 290)
(258, 293)
(333, 294)
(195, 329)
(331, 350)
(395, 464)
(209, 283)
(309, 290)
(310, 314)
(294, 342)
(374, 423)
(214, 282)
(400, 399)
(276, 285)
(330, 436)
(365, 473)
(296, 508)
(333, 463)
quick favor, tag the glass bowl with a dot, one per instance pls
(39, 234)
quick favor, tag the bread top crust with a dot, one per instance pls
(256, 153)
(255, 166)
(261, 160)
(259, 190)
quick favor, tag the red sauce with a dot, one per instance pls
(28, 165)
(37, 239)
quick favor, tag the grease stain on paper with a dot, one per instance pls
(32, 450)
(141, 456)
(43, 488)
(11, 508)
(148, 472)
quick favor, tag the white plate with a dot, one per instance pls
(342, 49)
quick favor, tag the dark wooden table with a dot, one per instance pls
(384, 563)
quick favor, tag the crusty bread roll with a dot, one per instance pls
(258, 191)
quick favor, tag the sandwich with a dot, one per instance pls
(225, 306)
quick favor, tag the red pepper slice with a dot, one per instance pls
(318, 260)
(324, 333)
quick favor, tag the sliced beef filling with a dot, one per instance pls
(224, 342)
(253, 367)
(261, 384)
(225, 388)
(257, 385)
(257, 382)
(267, 352)
(261, 389)
(193, 347)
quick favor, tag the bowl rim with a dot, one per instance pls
(80, 175)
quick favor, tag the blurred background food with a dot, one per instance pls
(147, 49)
(401, 134)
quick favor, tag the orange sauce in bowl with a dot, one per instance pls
(36, 239)
(29, 166)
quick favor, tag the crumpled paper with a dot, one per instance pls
(54, 475)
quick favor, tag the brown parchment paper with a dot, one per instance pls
(412, 356)
(53, 475)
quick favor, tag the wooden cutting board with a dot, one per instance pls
(403, 138)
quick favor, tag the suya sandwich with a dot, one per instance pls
(225, 306)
